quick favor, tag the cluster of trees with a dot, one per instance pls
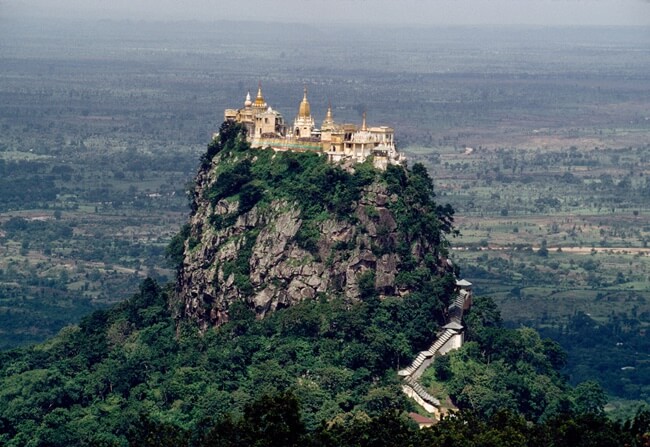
(25, 184)
(275, 420)
(603, 349)
(36, 309)
(319, 373)
(618, 342)
(39, 297)
(512, 369)
(41, 232)
(90, 383)
(418, 216)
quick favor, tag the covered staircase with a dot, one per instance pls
(450, 338)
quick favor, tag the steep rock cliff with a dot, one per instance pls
(273, 229)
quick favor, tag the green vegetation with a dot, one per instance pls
(24, 183)
(392, 429)
(122, 362)
(504, 369)
(622, 363)
(320, 373)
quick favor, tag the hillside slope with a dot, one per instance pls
(273, 229)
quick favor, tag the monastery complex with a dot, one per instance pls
(340, 142)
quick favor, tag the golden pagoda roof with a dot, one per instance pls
(305, 109)
(328, 122)
(259, 100)
(329, 118)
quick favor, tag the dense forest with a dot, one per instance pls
(319, 373)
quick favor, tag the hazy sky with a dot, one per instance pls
(443, 12)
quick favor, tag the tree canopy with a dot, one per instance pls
(319, 373)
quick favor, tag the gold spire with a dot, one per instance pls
(328, 117)
(259, 100)
(305, 110)
(328, 122)
(364, 127)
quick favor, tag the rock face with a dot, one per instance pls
(256, 257)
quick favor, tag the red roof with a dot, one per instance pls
(421, 419)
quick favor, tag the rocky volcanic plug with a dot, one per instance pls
(273, 229)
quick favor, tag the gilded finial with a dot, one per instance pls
(305, 110)
(329, 111)
(259, 100)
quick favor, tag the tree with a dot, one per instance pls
(147, 432)
(231, 136)
(543, 249)
(175, 251)
(589, 398)
(442, 368)
(274, 420)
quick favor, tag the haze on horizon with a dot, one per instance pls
(378, 12)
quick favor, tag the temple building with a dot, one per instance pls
(303, 125)
(260, 120)
(340, 142)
